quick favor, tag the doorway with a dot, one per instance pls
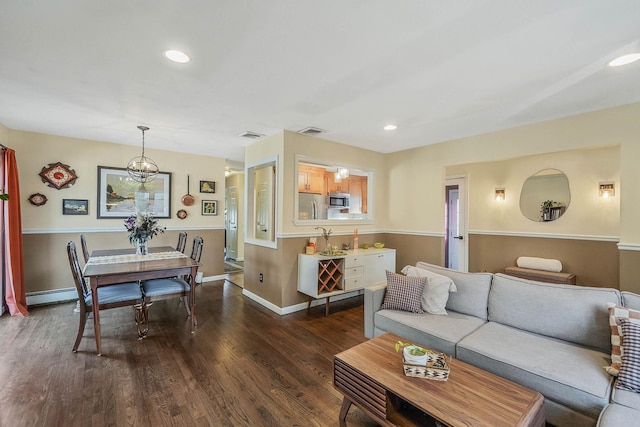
(456, 243)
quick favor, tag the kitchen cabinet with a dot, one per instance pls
(336, 187)
(311, 179)
(358, 194)
(323, 277)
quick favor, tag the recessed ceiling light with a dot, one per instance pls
(177, 56)
(390, 127)
(624, 60)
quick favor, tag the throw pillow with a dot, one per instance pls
(403, 293)
(629, 376)
(436, 292)
(616, 314)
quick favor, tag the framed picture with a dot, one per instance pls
(75, 207)
(120, 196)
(207, 186)
(209, 207)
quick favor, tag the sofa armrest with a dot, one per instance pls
(373, 297)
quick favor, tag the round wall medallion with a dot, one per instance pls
(58, 175)
(38, 199)
(182, 214)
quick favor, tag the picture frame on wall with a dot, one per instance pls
(119, 196)
(209, 207)
(207, 186)
(75, 207)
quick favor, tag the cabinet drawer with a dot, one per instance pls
(353, 272)
(353, 283)
(353, 261)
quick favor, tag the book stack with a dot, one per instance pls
(436, 367)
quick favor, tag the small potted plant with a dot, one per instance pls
(413, 354)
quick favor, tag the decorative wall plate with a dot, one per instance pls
(58, 175)
(38, 199)
(182, 214)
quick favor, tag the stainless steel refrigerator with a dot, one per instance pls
(312, 206)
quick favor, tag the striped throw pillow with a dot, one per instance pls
(616, 314)
(404, 293)
(629, 376)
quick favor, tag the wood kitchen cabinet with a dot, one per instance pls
(311, 179)
(336, 187)
(358, 193)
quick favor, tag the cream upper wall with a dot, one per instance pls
(35, 150)
(587, 213)
(416, 177)
(325, 151)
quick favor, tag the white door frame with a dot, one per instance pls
(461, 182)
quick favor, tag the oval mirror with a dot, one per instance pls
(545, 196)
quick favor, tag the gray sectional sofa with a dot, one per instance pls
(554, 339)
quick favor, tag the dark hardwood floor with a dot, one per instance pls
(244, 365)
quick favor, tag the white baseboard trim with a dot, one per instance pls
(52, 297)
(296, 307)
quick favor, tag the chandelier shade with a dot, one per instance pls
(142, 169)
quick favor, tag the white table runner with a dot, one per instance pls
(118, 259)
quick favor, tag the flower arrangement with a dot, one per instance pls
(325, 234)
(142, 227)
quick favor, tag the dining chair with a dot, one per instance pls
(159, 289)
(85, 250)
(182, 241)
(112, 296)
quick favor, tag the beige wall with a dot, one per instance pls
(46, 230)
(587, 214)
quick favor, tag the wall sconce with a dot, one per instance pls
(227, 172)
(499, 194)
(607, 189)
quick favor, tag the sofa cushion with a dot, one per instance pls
(617, 416)
(472, 290)
(616, 314)
(629, 377)
(564, 373)
(436, 291)
(403, 292)
(440, 333)
(576, 314)
(631, 300)
(625, 397)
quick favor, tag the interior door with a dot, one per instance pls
(456, 243)
(232, 222)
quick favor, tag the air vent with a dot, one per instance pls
(252, 135)
(311, 131)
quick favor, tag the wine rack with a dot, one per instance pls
(330, 275)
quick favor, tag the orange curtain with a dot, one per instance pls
(15, 296)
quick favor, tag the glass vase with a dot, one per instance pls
(142, 247)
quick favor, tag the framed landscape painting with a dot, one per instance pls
(120, 196)
(75, 207)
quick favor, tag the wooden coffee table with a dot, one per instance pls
(370, 375)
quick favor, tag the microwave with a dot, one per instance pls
(338, 200)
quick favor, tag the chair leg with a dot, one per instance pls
(141, 320)
(81, 324)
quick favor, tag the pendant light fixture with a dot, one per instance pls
(142, 169)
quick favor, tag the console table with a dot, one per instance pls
(322, 276)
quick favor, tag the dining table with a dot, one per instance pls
(112, 266)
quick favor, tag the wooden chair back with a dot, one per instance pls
(196, 249)
(76, 271)
(85, 250)
(182, 241)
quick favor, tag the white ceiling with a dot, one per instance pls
(439, 70)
